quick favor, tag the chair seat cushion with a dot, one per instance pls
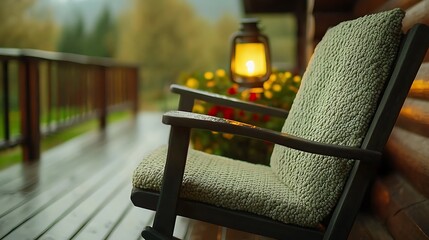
(229, 183)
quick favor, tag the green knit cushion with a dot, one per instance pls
(227, 183)
(335, 104)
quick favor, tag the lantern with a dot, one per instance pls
(250, 64)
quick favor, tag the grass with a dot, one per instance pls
(13, 156)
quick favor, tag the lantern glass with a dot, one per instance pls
(250, 59)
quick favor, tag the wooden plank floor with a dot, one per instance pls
(81, 189)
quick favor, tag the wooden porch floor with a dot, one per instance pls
(81, 189)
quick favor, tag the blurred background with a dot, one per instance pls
(166, 39)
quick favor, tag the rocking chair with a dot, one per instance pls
(324, 158)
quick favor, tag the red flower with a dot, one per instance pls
(232, 91)
(253, 97)
(228, 113)
(266, 118)
(213, 111)
(255, 117)
(241, 113)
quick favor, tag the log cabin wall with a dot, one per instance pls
(400, 196)
(399, 199)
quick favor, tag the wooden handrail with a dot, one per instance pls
(58, 90)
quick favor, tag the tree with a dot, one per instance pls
(101, 40)
(73, 37)
(166, 38)
(223, 29)
(21, 26)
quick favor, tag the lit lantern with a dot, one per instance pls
(250, 64)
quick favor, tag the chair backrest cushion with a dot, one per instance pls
(335, 104)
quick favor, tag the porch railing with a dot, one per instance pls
(44, 92)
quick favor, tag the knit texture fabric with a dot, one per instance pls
(335, 104)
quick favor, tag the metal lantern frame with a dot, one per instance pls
(249, 33)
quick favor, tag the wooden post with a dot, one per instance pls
(6, 120)
(102, 97)
(301, 17)
(135, 89)
(30, 108)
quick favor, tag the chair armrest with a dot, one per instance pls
(194, 120)
(227, 101)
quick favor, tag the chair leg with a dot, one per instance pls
(165, 216)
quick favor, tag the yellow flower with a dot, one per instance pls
(220, 73)
(268, 94)
(277, 87)
(198, 108)
(245, 94)
(208, 75)
(267, 85)
(192, 83)
(272, 78)
(210, 84)
(293, 89)
(227, 135)
(297, 79)
(288, 74)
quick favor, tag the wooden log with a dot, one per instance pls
(418, 13)
(414, 116)
(363, 7)
(391, 4)
(420, 87)
(408, 153)
(401, 208)
(325, 20)
(368, 227)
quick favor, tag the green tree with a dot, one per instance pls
(223, 30)
(21, 26)
(101, 40)
(166, 38)
(73, 37)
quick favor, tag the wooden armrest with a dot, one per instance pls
(194, 120)
(227, 101)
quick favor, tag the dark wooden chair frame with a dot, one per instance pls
(168, 204)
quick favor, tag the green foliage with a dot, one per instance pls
(167, 37)
(73, 37)
(99, 42)
(279, 91)
(23, 27)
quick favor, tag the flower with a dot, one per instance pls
(232, 90)
(220, 73)
(208, 75)
(228, 113)
(253, 96)
(192, 83)
(213, 111)
(278, 91)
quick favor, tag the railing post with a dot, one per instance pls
(29, 108)
(102, 97)
(6, 100)
(135, 89)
